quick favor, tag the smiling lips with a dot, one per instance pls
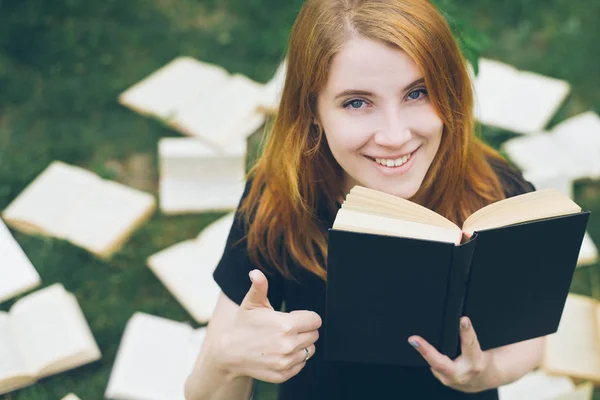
(388, 162)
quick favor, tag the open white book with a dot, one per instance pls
(201, 100)
(43, 334)
(571, 148)
(194, 178)
(71, 396)
(154, 359)
(537, 385)
(186, 268)
(589, 252)
(498, 104)
(574, 350)
(271, 97)
(17, 274)
(74, 204)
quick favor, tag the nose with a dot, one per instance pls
(393, 130)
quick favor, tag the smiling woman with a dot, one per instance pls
(377, 94)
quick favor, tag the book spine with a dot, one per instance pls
(455, 299)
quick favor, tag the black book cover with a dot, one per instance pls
(511, 281)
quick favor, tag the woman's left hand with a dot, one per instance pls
(467, 373)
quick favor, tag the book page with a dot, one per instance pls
(71, 396)
(536, 385)
(46, 201)
(52, 333)
(585, 391)
(588, 254)
(174, 86)
(379, 202)
(180, 196)
(17, 272)
(273, 90)
(231, 116)
(575, 349)
(107, 216)
(497, 106)
(526, 207)
(349, 220)
(154, 359)
(186, 269)
(13, 370)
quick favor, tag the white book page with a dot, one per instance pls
(549, 178)
(273, 90)
(588, 253)
(536, 385)
(47, 201)
(13, 365)
(574, 349)
(585, 391)
(17, 274)
(107, 217)
(52, 333)
(231, 116)
(186, 269)
(174, 86)
(154, 359)
(71, 396)
(581, 136)
(538, 152)
(179, 196)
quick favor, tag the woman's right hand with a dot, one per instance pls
(266, 344)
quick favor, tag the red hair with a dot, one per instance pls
(296, 174)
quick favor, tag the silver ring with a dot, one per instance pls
(307, 353)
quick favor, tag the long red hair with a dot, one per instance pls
(296, 175)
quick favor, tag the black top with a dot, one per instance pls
(321, 379)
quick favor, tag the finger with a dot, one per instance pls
(305, 321)
(437, 361)
(469, 343)
(300, 355)
(257, 295)
(306, 339)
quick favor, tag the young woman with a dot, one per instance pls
(377, 94)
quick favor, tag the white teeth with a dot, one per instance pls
(393, 163)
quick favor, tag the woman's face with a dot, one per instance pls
(377, 117)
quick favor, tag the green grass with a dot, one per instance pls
(63, 63)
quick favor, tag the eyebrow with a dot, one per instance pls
(355, 92)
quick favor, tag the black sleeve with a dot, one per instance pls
(511, 178)
(231, 274)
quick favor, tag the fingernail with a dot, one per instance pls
(413, 343)
(464, 323)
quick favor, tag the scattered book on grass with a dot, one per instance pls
(230, 116)
(179, 83)
(200, 100)
(17, 273)
(536, 385)
(571, 148)
(154, 359)
(271, 97)
(589, 252)
(193, 177)
(525, 245)
(71, 396)
(574, 350)
(43, 334)
(499, 101)
(74, 204)
(186, 268)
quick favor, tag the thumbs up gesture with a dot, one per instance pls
(266, 344)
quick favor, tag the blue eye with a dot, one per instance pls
(354, 104)
(414, 95)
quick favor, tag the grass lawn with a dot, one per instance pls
(63, 63)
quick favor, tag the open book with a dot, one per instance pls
(496, 104)
(201, 100)
(17, 274)
(395, 252)
(574, 350)
(71, 396)
(74, 204)
(273, 90)
(571, 148)
(537, 385)
(186, 269)
(196, 178)
(44, 333)
(154, 359)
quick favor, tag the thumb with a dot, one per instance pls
(257, 295)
